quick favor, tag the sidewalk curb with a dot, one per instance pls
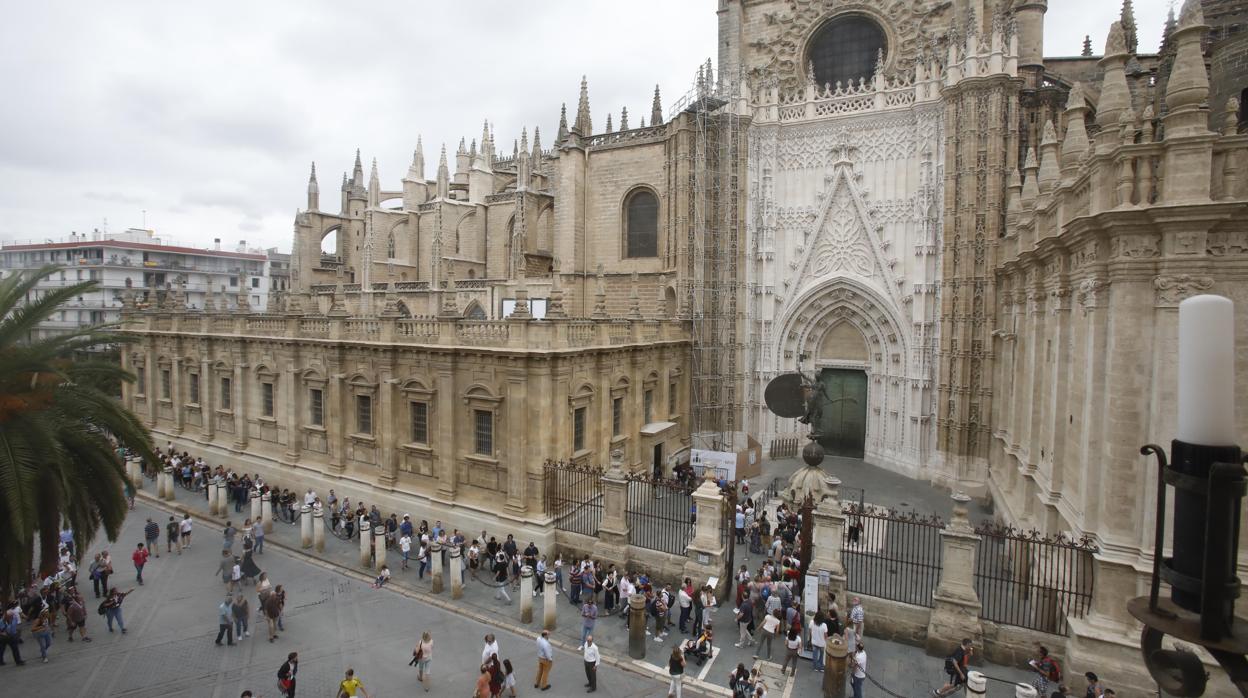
(626, 664)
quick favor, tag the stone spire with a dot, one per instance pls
(1129, 29)
(656, 109)
(1087, 45)
(537, 150)
(472, 150)
(610, 128)
(444, 176)
(314, 191)
(450, 301)
(1167, 33)
(487, 146)
(357, 176)
(1031, 183)
(374, 186)
(555, 308)
(624, 119)
(416, 171)
(523, 169)
(563, 124)
(600, 298)
(584, 125)
(1013, 195)
(1049, 170)
(1188, 86)
(634, 300)
(1115, 94)
(1075, 144)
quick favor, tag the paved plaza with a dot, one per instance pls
(335, 620)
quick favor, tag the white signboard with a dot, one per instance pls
(723, 464)
(810, 594)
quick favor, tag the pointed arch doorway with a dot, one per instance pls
(843, 423)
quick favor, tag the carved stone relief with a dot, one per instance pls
(1172, 290)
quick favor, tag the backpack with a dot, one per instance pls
(1054, 673)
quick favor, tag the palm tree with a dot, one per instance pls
(59, 465)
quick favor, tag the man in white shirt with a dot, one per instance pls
(490, 648)
(858, 663)
(592, 659)
(309, 498)
(626, 590)
(405, 546)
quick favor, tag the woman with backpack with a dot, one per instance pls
(1048, 672)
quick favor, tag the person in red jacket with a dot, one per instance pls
(140, 559)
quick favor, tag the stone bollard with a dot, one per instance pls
(1022, 690)
(164, 482)
(456, 571)
(379, 547)
(834, 668)
(366, 543)
(266, 510)
(637, 626)
(160, 484)
(212, 496)
(134, 470)
(549, 598)
(223, 499)
(306, 526)
(318, 529)
(526, 594)
(976, 683)
(435, 566)
(255, 504)
(169, 483)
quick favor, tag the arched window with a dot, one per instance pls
(846, 49)
(641, 224)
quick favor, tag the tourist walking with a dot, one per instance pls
(272, 607)
(41, 628)
(818, 640)
(171, 536)
(76, 615)
(792, 645)
(227, 537)
(545, 659)
(225, 621)
(675, 670)
(422, 657)
(11, 633)
(286, 675)
(112, 609)
(242, 613)
(858, 667)
(770, 625)
(589, 616)
(500, 578)
(1047, 671)
(139, 556)
(489, 649)
(745, 621)
(104, 571)
(955, 667)
(151, 534)
(184, 528)
(592, 660)
(351, 686)
(257, 532)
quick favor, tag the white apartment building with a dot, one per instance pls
(138, 259)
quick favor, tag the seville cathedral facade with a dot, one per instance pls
(978, 249)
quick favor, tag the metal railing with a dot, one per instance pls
(1030, 580)
(574, 497)
(660, 514)
(784, 447)
(892, 555)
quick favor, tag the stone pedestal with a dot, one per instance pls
(305, 526)
(266, 511)
(160, 484)
(612, 543)
(955, 613)
(379, 547)
(213, 497)
(366, 543)
(637, 625)
(526, 594)
(829, 539)
(456, 571)
(549, 599)
(835, 667)
(1024, 691)
(976, 683)
(318, 529)
(706, 550)
(255, 505)
(223, 499)
(435, 566)
(169, 486)
(135, 473)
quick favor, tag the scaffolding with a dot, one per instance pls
(709, 174)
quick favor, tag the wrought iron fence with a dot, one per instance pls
(573, 496)
(660, 514)
(892, 555)
(785, 447)
(1030, 580)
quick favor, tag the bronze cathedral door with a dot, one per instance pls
(844, 420)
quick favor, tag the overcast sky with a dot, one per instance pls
(207, 115)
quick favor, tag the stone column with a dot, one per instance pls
(637, 626)
(294, 394)
(175, 377)
(255, 505)
(305, 526)
(334, 427)
(526, 594)
(366, 543)
(435, 566)
(318, 529)
(240, 408)
(445, 446)
(379, 547)
(456, 571)
(612, 543)
(955, 613)
(515, 409)
(706, 550)
(548, 600)
(208, 388)
(829, 538)
(160, 483)
(388, 455)
(834, 673)
(266, 511)
(223, 498)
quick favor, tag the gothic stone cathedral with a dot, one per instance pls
(978, 248)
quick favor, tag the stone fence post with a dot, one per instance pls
(379, 547)
(223, 498)
(318, 528)
(366, 542)
(255, 504)
(435, 566)
(955, 613)
(266, 511)
(212, 485)
(305, 525)
(549, 598)
(168, 493)
(613, 530)
(706, 550)
(829, 541)
(526, 594)
(455, 562)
